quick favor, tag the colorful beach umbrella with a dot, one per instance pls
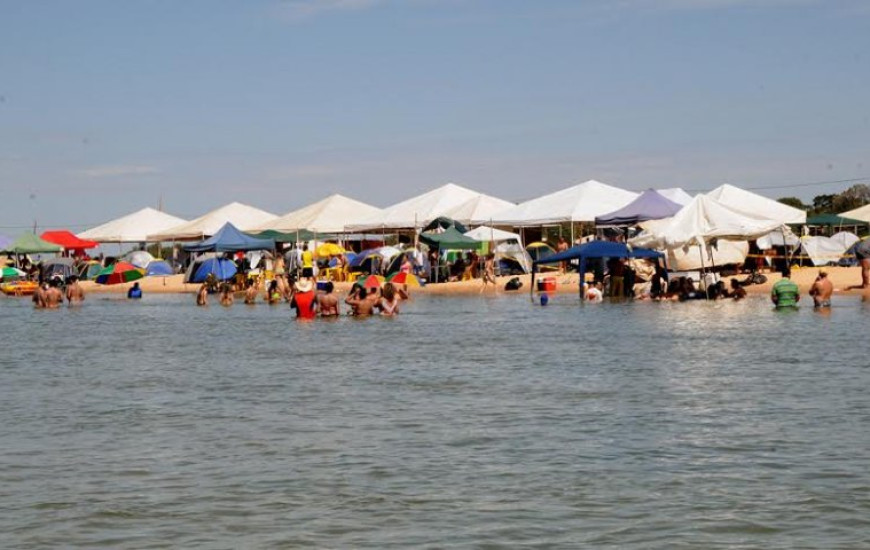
(370, 281)
(402, 278)
(10, 272)
(117, 273)
(328, 249)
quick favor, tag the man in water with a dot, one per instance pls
(359, 302)
(39, 296)
(227, 297)
(785, 293)
(135, 292)
(307, 262)
(250, 291)
(202, 295)
(822, 290)
(303, 299)
(327, 302)
(53, 296)
(595, 293)
(737, 290)
(74, 293)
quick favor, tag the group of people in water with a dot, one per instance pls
(51, 294)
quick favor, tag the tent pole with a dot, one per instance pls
(532, 283)
(701, 250)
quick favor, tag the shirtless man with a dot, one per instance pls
(202, 295)
(39, 296)
(227, 297)
(251, 292)
(74, 293)
(327, 302)
(53, 296)
(822, 290)
(489, 270)
(359, 302)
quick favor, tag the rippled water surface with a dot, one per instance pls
(464, 422)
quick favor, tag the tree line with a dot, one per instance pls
(854, 197)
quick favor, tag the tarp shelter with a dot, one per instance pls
(329, 215)
(828, 250)
(650, 205)
(676, 194)
(417, 211)
(230, 239)
(132, 228)
(28, 243)
(491, 234)
(777, 238)
(701, 221)
(862, 213)
(240, 215)
(833, 220)
(67, 240)
(442, 222)
(722, 252)
(300, 236)
(479, 209)
(450, 239)
(752, 204)
(595, 249)
(580, 203)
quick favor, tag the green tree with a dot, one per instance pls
(823, 204)
(853, 197)
(793, 202)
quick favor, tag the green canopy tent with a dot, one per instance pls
(450, 239)
(833, 220)
(295, 236)
(28, 243)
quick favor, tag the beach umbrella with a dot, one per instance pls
(117, 273)
(370, 281)
(158, 268)
(402, 278)
(221, 268)
(328, 249)
(9, 272)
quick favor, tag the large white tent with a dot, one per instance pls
(329, 215)
(242, 216)
(491, 234)
(417, 211)
(862, 213)
(752, 204)
(580, 203)
(676, 194)
(479, 209)
(701, 221)
(132, 228)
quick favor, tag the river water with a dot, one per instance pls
(465, 422)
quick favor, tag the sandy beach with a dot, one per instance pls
(841, 277)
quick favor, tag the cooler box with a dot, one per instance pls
(547, 284)
(321, 285)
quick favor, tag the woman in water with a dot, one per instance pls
(389, 303)
(273, 295)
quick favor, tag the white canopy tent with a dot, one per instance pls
(417, 211)
(491, 234)
(862, 213)
(479, 209)
(329, 215)
(826, 250)
(676, 194)
(508, 246)
(701, 221)
(580, 203)
(752, 204)
(132, 228)
(242, 216)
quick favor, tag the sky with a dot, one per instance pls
(107, 107)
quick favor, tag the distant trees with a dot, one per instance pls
(854, 197)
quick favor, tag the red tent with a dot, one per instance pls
(67, 240)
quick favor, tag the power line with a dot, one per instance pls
(791, 185)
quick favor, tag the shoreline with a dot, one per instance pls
(841, 277)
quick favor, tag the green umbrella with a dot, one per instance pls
(11, 272)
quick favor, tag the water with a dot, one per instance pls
(465, 422)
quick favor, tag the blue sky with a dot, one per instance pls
(105, 106)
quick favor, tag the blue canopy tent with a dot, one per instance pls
(230, 239)
(594, 249)
(650, 205)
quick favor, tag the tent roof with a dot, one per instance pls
(417, 211)
(862, 213)
(229, 239)
(580, 203)
(450, 238)
(752, 204)
(296, 236)
(329, 215)
(5, 241)
(650, 205)
(132, 228)
(833, 220)
(600, 249)
(67, 240)
(28, 243)
(240, 215)
(478, 209)
(703, 220)
(488, 234)
(676, 194)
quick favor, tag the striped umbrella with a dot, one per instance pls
(402, 278)
(370, 281)
(119, 272)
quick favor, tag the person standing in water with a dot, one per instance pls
(135, 292)
(389, 302)
(822, 290)
(74, 293)
(303, 299)
(53, 296)
(327, 302)
(489, 270)
(250, 291)
(227, 297)
(785, 293)
(202, 295)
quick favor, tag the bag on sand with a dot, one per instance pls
(513, 283)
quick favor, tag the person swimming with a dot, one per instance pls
(135, 292)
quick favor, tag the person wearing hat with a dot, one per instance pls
(822, 290)
(303, 299)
